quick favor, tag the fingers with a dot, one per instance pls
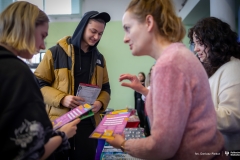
(124, 77)
(76, 98)
(126, 84)
(58, 124)
(71, 101)
(75, 122)
(72, 106)
(109, 141)
(75, 102)
(94, 110)
(115, 135)
(123, 135)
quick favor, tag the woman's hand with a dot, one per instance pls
(70, 128)
(135, 84)
(117, 141)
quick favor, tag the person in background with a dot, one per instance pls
(217, 48)
(146, 120)
(139, 103)
(179, 103)
(26, 131)
(147, 81)
(75, 59)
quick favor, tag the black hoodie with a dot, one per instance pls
(78, 33)
(84, 62)
(24, 123)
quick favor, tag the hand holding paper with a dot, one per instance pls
(97, 105)
(117, 141)
(88, 92)
(70, 128)
(71, 115)
(72, 101)
(112, 124)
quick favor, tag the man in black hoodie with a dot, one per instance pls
(72, 61)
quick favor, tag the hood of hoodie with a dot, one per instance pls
(79, 31)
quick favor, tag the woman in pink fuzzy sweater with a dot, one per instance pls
(179, 104)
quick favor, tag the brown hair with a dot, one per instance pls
(17, 25)
(219, 39)
(148, 78)
(169, 25)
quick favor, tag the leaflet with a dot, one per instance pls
(112, 123)
(88, 92)
(71, 115)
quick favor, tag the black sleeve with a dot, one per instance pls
(23, 117)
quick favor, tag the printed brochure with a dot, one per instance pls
(78, 112)
(112, 123)
(88, 92)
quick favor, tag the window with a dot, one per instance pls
(57, 10)
(57, 7)
(37, 58)
(34, 62)
(38, 3)
(53, 7)
(4, 4)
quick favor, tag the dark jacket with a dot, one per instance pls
(24, 125)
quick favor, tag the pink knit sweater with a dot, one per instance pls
(180, 110)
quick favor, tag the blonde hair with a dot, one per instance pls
(17, 25)
(168, 24)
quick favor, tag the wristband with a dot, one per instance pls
(65, 144)
(122, 146)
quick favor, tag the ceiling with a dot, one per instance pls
(202, 10)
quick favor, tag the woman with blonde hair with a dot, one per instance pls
(179, 104)
(26, 131)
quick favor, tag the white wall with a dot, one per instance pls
(187, 8)
(178, 4)
(115, 8)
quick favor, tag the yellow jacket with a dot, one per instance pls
(55, 75)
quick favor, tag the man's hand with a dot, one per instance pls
(72, 101)
(97, 105)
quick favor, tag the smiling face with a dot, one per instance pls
(199, 48)
(93, 32)
(135, 35)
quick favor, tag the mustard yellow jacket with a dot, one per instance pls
(55, 75)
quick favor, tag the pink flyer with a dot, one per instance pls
(111, 124)
(71, 115)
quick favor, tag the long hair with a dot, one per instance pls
(169, 25)
(219, 41)
(143, 74)
(148, 78)
(17, 25)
